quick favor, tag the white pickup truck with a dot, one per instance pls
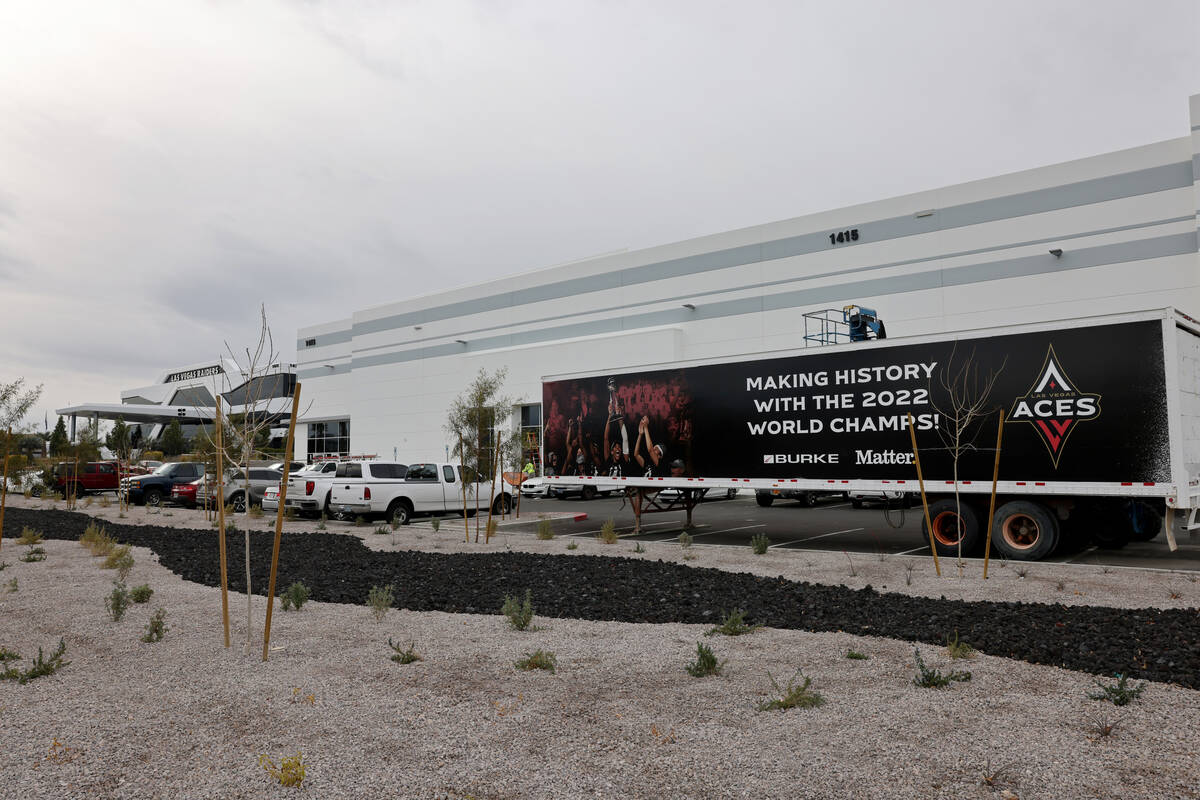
(398, 491)
(309, 488)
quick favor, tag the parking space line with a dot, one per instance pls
(1077, 555)
(914, 550)
(818, 536)
(723, 530)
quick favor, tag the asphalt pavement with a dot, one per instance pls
(833, 525)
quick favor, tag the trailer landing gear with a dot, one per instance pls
(646, 501)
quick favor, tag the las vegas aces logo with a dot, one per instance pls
(1054, 406)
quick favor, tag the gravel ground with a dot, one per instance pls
(187, 718)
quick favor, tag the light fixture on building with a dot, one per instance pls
(1056, 252)
(416, 327)
(461, 341)
(331, 366)
(689, 306)
(926, 213)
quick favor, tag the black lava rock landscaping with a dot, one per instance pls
(1153, 644)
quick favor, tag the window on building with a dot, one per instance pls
(329, 438)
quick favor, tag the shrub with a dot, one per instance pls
(1120, 693)
(293, 597)
(685, 540)
(436, 524)
(854, 655)
(254, 511)
(404, 656)
(40, 666)
(539, 659)
(141, 594)
(795, 695)
(573, 545)
(34, 554)
(3, 565)
(928, 678)
(156, 628)
(1102, 727)
(379, 600)
(321, 523)
(519, 614)
(117, 602)
(11, 586)
(957, 649)
(30, 536)
(706, 662)
(120, 559)
(638, 548)
(290, 771)
(544, 529)
(733, 624)
(381, 530)
(105, 502)
(360, 521)
(759, 544)
(608, 531)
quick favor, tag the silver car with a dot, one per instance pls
(235, 485)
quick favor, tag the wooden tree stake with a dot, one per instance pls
(219, 496)
(4, 482)
(924, 500)
(287, 469)
(987, 545)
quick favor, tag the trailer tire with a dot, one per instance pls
(808, 499)
(1144, 521)
(856, 503)
(587, 493)
(1023, 530)
(764, 499)
(943, 515)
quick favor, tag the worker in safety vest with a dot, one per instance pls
(529, 470)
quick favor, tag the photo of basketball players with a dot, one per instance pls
(605, 427)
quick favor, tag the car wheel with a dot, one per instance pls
(502, 505)
(239, 502)
(399, 512)
(152, 497)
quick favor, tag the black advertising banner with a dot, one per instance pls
(1082, 404)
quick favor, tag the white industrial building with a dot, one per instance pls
(1111, 233)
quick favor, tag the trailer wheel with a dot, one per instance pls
(952, 523)
(764, 499)
(808, 499)
(588, 493)
(1024, 531)
(1144, 522)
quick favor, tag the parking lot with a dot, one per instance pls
(830, 526)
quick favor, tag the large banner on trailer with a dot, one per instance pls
(1084, 404)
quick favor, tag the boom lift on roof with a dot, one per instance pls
(852, 323)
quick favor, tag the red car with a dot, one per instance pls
(184, 494)
(95, 476)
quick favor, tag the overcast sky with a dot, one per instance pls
(167, 166)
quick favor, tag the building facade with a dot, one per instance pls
(1106, 234)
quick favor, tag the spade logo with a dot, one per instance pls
(1054, 406)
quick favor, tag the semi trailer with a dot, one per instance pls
(1100, 432)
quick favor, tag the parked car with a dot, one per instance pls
(586, 491)
(184, 494)
(152, 489)
(765, 497)
(708, 496)
(94, 476)
(397, 491)
(235, 487)
(270, 501)
(535, 487)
